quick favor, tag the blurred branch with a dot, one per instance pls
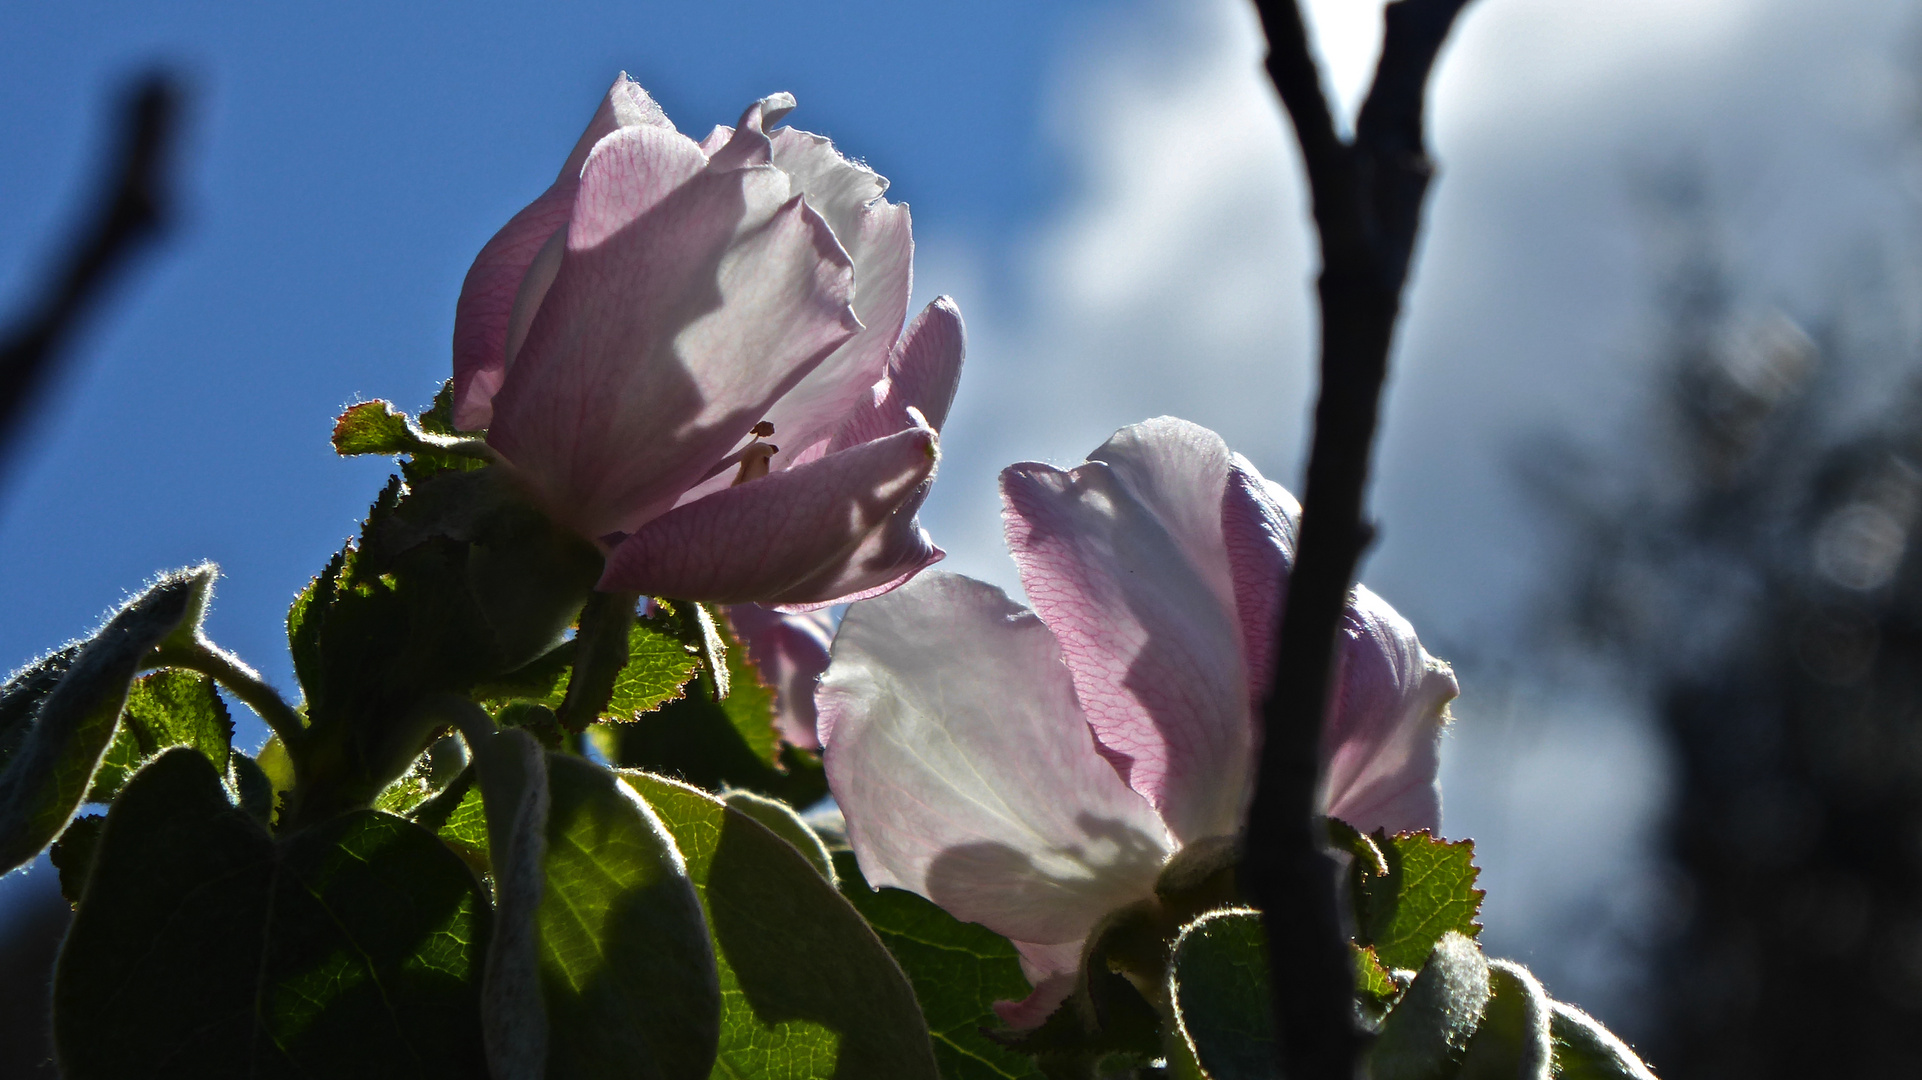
(1367, 197)
(133, 210)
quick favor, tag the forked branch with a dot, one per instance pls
(1367, 196)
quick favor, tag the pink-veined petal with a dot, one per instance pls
(778, 539)
(487, 294)
(922, 374)
(1124, 558)
(689, 299)
(966, 771)
(1051, 970)
(1260, 521)
(878, 238)
(1381, 742)
(791, 652)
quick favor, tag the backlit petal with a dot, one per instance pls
(780, 539)
(1124, 558)
(967, 772)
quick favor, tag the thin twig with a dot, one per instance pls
(1367, 197)
(134, 209)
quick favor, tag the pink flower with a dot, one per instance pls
(791, 652)
(694, 354)
(1033, 771)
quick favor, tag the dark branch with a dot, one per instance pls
(134, 208)
(1367, 199)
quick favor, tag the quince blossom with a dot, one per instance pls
(1033, 771)
(694, 354)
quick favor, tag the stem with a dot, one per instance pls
(1367, 198)
(242, 682)
(469, 719)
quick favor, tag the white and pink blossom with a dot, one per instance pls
(1033, 770)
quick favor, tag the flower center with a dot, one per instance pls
(751, 459)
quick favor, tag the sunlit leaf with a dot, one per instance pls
(1429, 890)
(807, 988)
(601, 965)
(721, 743)
(165, 709)
(958, 971)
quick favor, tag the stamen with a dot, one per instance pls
(754, 458)
(761, 430)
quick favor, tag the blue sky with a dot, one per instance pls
(1107, 187)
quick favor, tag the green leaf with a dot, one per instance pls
(50, 770)
(439, 420)
(1218, 981)
(601, 966)
(720, 743)
(1371, 979)
(373, 427)
(72, 854)
(305, 619)
(1427, 1035)
(541, 681)
(253, 790)
(807, 988)
(1512, 1042)
(167, 708)
(1359, 845)
(1429, 890)
(457, 815)
(21, 696)
(204, 948)
(660, 663)
(780, 819)
(1585, 1050)
(958, 971)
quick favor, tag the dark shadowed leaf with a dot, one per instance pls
(204, 948)
(958, 971)
(1429, 890)
(72, 854)
(53, 764)
(1219, 982)
(21, 696)
(807, 988)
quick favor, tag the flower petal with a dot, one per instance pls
(1381, 742)
(1124, 558)
(922, 374)
(1260, 522)
(878, 237)
(791, 652)
(1051, 970)
(689, 299)
(967, 773)
(782, 538)
(487, 295)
